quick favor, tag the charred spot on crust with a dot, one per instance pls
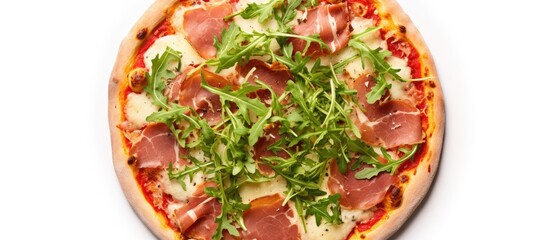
(142, 33)
(432, 84)
(429, 168)
(131, 160)
(362, 236)
(396, 196)
(402, 29)
(404, 179)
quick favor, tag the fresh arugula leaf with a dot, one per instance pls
(160, 73)
(391, 166)
(257, 128)
(262, 11)
(327, 209)
(243, 102)
(377, 58)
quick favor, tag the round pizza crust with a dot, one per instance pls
(412, 196)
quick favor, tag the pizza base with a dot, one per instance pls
(150, 19)
(412, 196)
(419, 184)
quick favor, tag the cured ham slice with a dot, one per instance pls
(268, 219)
(173, 89)
(330, 21)
(388, 124)
(201, 25)
(358, 193)
(156, 147)
(261, 148)
(206, 104)
(197, 218)
(275, 75)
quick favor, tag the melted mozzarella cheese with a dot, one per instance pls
(373, 40)
(178, 43)
(174, 188)
(252, 24)
(398, 88)
(251, 191)
(138, 107)
(334, 231)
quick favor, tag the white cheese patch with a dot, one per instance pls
(138, 107)
(252, 24)
(174, 188)
(329, 231)
(177, 18)
(398, 88)
(251, 191)
(178, 43)
(373, 40)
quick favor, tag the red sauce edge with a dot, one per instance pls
(397, 48)
(378, 214)
(161, 30)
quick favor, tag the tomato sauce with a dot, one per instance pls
(163, 29)
(378, 214)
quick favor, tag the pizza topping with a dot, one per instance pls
(137, 79)
(388, 124)
(197, 217)
(205, 103)
(138, 107)
(156, 147)
(268, 218)
(358, 193)
(174, 87)
(330, 21)
(202, 25)
(274, 75)
(261, 148)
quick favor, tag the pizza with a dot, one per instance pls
(275, 119)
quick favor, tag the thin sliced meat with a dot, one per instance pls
(388, 124)
(261, 148)
(358, 193)
(331, 22)
(267, 219)
(173, 89)
(197, 218)
(202, 25)
(156, 147)
(206, 104)
(275, 75)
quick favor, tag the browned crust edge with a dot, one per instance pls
(152, 17)
(421, 181)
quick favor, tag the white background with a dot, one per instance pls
(56, 176)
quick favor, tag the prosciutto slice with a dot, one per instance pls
(331, 22)
(358, 193)
(261, 148)
(268, 219)
(156, 147)
(388, 124)
(197, 218)
(201, 25)
(275, 75)
(207, 104)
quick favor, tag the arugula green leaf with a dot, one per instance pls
(377, 59)
(257, 129)
(327, 209)
(243, 102)
(391, 166)
(262, 11)
(160, 72)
